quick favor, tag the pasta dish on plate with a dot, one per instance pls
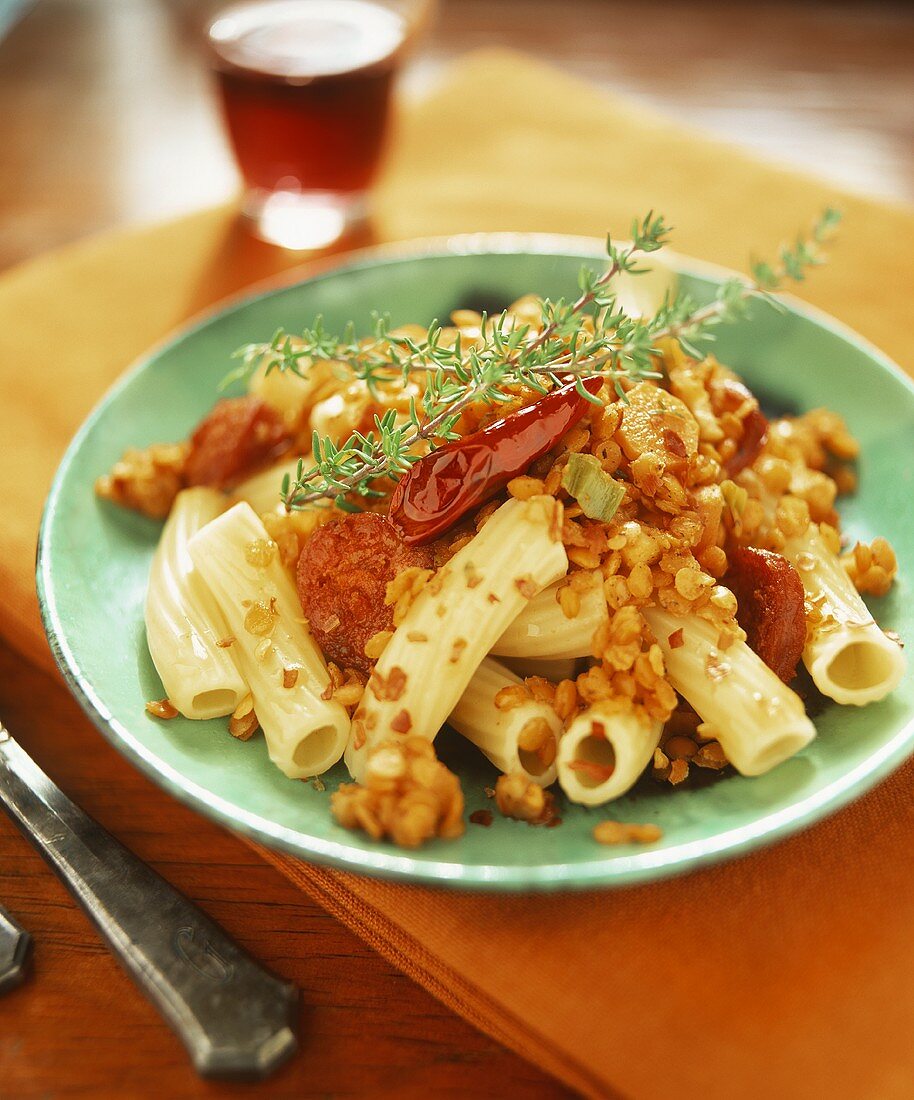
(566, 531)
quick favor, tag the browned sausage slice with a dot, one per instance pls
(769, 595)
(343, 574)
(236, 439)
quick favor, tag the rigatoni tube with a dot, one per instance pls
(543, 630)
(519, 738)
(758, 720)
(604, 751)
(850, 659)
(454, 621)
(281, 662)
(184, 625)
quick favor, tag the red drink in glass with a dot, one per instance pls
(306, 89)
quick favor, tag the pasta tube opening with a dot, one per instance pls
(603, 753)
(215, 703)
(599, 758)
(532, 766)
(777, 750)
(317, 751)
(857, 667)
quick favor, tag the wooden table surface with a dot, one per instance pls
(107, 118)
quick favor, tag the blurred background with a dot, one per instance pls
(109, 112)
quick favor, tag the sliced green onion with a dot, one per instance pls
(591, 486)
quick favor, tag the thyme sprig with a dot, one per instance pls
(586, 336)
(682, 319)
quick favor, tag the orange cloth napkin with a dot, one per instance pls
(786, 973)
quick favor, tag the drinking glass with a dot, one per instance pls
(305, 87)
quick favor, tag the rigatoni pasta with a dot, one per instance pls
(544, 630)
(757, 719)
(305, 729)
(604, 752)
(515, 731)
(848, 656)
(548, 668)
(454, 621)
(185, 630)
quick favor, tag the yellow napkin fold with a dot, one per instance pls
(785, 973)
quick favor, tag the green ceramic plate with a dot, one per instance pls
(93, 562)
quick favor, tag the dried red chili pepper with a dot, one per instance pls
(446, 484)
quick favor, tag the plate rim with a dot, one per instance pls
(603, 871)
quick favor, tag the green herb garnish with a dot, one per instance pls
(619, 347)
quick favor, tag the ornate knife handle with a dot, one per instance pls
(15, 951)
(233, 1016)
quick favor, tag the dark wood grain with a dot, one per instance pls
(78, 1027)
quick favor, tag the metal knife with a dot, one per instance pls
(234, 1017)
(15, 952)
